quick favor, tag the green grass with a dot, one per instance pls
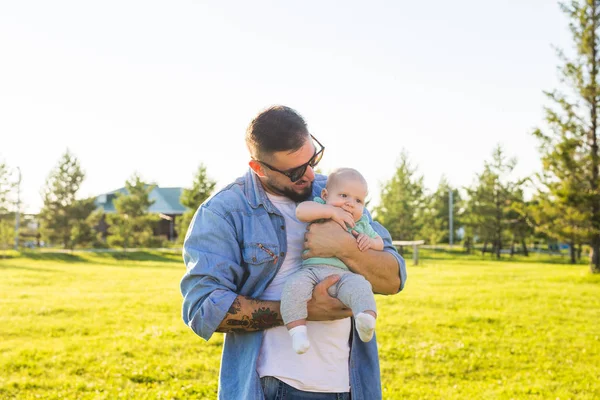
(106, 326)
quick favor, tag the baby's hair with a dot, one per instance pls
(345, 173)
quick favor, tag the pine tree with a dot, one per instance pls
(402, 201)
(436, 214)
(131, 226)
(480, 212)
(61, 209)
(520, 221)
(491, 200)
(7, 235)
(202, 188)
(6, 186)
(570, 147)
(558, 210)
(84, 218)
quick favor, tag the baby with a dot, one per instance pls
(342, 201)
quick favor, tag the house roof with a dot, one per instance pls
(166, 200)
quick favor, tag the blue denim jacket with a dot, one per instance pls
(224, 252)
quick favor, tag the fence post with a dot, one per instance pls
(415, 254)
(415, 245)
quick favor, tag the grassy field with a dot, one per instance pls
(106, 326)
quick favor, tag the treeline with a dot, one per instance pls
(69, 222)
(565, 206)
(492, 211)
(566, 202)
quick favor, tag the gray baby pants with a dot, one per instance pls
(352, 289)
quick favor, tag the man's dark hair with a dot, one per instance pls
(278, 128)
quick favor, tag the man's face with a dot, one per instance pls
(276, 183)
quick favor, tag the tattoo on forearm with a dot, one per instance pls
(236, 307)
(262, 318)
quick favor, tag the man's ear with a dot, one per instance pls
(257, 168)
(324, 194)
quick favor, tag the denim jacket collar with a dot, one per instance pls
(257, 196)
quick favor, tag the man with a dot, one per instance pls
(242, 245)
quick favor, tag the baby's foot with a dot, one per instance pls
(365, 325)
(300, 341)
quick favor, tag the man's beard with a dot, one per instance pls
(298, 197)
(292, 194)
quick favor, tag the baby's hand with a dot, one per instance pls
(342, 217)
(363, 241)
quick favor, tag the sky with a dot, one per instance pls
(157, 87)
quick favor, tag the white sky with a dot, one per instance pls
(158, 87)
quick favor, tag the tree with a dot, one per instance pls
(569, 147)
(6, 186)
(202, 188)
(131, 225)
(436, 218)
(520, 222)
(491, 200)
(7, 230)
(61, 210)
(480, 211)
(559, 209)
(7, 234)
(85, 217)
(402, 201)
(557, 219)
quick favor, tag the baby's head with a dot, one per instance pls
(346, 188)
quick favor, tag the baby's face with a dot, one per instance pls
(348, 194)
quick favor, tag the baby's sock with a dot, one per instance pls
(300, 339)
(365, 325)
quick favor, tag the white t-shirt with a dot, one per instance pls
(324, 367)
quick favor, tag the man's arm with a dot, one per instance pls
(381, 268)
(210, 290)
(248, 315)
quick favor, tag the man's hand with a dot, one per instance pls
(323, 307)
(380, 268)
(327, 239)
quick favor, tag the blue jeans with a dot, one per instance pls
(277, 390)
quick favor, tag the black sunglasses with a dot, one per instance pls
(298, 172)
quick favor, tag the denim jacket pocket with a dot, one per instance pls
(258, 253)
